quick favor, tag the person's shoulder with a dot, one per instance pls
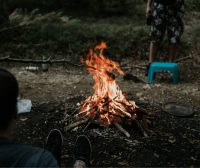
(40, 158)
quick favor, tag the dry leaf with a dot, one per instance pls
(23, 119)
(172, 141)
(114, 156)
(139, 94)
(123, 163)
(91, 161)
(191, 142)
(147, 86)
(56, 111)
(156, 155)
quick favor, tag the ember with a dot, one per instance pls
(108, 104)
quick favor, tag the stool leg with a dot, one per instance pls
(175, 76)
(154, 75)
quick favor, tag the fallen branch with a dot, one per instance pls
(140, 66)
(188, 57)
(135, 66)
(48, 61)
(19, 45)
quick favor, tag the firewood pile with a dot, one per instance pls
(106, 118)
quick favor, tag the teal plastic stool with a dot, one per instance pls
(162, 66)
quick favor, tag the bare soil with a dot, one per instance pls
(175, 141)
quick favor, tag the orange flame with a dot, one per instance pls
(105, 87)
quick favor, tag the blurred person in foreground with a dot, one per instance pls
(13, 154)
(165, 14)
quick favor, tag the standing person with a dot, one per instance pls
(13, 154)
(165, 14)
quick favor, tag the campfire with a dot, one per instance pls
(108, 105)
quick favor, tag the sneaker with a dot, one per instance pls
(54, 144)
(83, 150)
(147, 70)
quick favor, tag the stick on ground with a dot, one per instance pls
(76, 124)
(121, 129)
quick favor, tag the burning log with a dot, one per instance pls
(108, 104)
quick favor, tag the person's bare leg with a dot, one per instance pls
(79, 164)
(154, 47)
(172, 51)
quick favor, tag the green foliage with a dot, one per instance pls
(59, 14)
(35, 11)
(121, 24)
(192, 4)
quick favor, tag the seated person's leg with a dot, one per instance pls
(82, 152)
(54, 144)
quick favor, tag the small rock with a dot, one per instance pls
(157, 85)
(75, 129)
(172, 141)
(23, 119)
(139, 94)
(147, 86)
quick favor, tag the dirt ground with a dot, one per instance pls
(175, 141)
(61, 83)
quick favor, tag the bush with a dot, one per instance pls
(192, 4)
(125, 36)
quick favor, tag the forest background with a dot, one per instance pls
(68, 28)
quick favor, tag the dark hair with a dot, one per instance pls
(8, 97)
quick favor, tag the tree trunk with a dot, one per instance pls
(3, 14)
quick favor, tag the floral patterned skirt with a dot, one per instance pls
(167, 17)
